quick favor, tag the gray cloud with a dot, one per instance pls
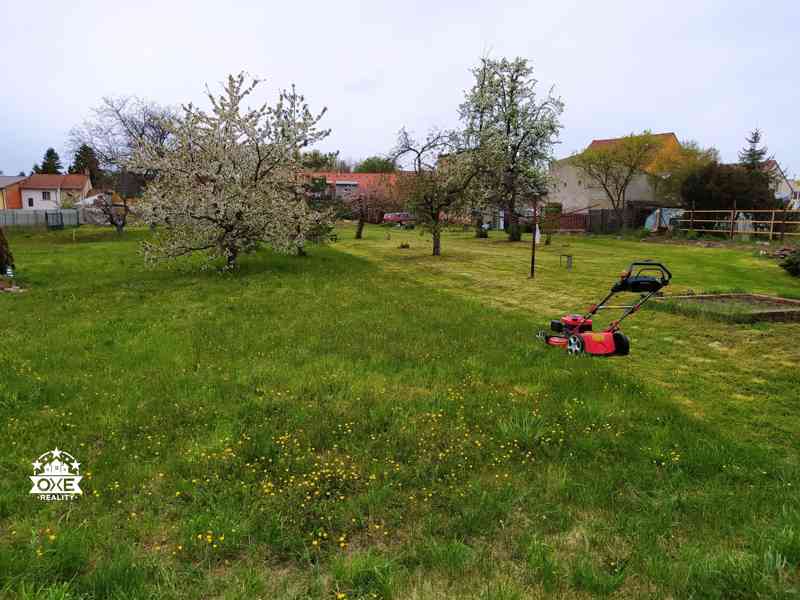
(708, 70)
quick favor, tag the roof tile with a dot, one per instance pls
(74, 181)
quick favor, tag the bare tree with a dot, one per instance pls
(376, 194)
(440, 174)
(113, 131)
(118, 124)
(114, 208)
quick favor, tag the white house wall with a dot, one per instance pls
(38, 202)
(574, 190)
(57, 197)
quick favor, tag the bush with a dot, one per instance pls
(792, 263)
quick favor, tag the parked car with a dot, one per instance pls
(402, 219)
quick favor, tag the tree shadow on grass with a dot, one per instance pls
(342, 366)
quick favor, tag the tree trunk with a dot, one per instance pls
(437, 240)
(360, 228)
(232, 253)
(514, 230)
(533, 252)
(480, 232)
(619, 211)
(6, 259)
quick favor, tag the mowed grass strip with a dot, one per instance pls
(739, 377)
(349, 426)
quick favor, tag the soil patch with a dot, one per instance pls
(734, 308)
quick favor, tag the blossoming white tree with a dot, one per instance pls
(230, 178)
(514, 131)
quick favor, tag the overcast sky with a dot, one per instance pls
(707, 70)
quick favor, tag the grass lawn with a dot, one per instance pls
(371, 422)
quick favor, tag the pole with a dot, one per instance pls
(733, 216)
(783, 223)
(533, 243)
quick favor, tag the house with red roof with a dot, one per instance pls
(374, 192)
(44, 192)
(574, 190)
(9, 191)
(343, 185)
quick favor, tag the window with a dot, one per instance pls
(45, 195)
(30, 202)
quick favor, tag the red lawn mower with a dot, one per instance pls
(574, 332)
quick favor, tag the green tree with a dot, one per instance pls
(51, 163)
(85, 160)
(613, 166)
(754, 154)
(343, 166)
(375, 164)
(728, 187)
(669, 171)
(314, 160)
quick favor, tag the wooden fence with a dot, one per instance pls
(774, 224)
(575, 222)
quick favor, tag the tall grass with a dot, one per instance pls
(343, 426)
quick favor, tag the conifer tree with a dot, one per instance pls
(51, 164)
(754, 154)
(86, 160)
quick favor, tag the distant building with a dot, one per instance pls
(10, 191)
(377, 190)
(43, 192)
(342, 185)
(574, 190)
(784, 189)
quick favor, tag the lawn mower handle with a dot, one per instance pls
(666, 274)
